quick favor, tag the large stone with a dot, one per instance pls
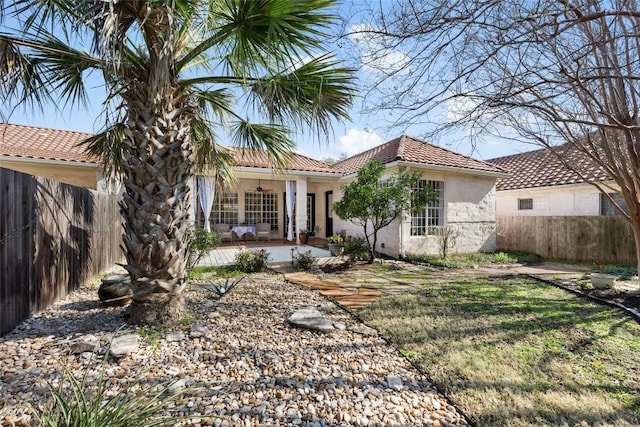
(310, 318)
(87, 343)
(124, 345)
(115, 290)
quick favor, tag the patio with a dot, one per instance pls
(280, 251)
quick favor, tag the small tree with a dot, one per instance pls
(373, 203)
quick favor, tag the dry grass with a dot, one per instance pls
(516, 352)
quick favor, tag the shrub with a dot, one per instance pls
(503, 257)
(202, 242)
(252, 261)
(356, 248)
(303, 260)
(335, 239)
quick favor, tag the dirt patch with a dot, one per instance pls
(625, 293)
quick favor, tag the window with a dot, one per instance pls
(607, 208)
(525, 204)
(432, 216)
(225, 208)
(261, 207)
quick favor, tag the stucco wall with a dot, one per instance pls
(80, 176)
(469, 209)
(564, 200)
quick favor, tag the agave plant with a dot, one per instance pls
(174, 72)
(223, 288)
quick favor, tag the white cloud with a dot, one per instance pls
(376, 57)
(357, 141)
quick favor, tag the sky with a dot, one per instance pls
(363, 131)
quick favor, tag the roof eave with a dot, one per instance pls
(455, 169)
(274, 171)
(87, 164)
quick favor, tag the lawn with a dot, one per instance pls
(511, 351)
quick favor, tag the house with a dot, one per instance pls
(466, 189)
(540, 185)
(50, 153)
(303, 190)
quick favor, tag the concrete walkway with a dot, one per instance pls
(277, 254)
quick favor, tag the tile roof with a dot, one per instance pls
(542, 168)
(408, 149)
(52, 144)
(298, 162)
(41, 143)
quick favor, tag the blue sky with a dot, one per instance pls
(362, 132)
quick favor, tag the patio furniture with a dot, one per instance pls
(263, 230)
(241, 230)
(224, 231)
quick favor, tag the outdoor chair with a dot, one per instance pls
(224, 230)
(263, 230)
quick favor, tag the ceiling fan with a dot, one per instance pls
(259, 189)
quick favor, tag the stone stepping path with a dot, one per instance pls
(350, 295)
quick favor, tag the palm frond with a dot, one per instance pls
(20, 77)
(107, 145)
(40, 66)
(211, 156)
(218, 102)
(272, 138)
(258, 34)
(312, 94)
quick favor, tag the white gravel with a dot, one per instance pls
(249, 367)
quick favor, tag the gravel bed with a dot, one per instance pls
(247, 365)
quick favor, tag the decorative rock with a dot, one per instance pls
(115, 290)
(177, 336)
(310, 318)
(339, 326)
(87, 343)
(124, 345)
(199, 331)
(116, 278)
(394, 382)
(247, 358)
(177, 385)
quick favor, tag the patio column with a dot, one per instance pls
(301, 206)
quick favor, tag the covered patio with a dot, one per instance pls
(286, 201)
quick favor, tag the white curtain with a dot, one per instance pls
(207, 192)
(291, 192)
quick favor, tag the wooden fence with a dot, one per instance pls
(53, 237)
(597, 239)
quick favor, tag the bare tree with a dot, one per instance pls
(562, 74)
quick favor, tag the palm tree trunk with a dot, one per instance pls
(157, 166)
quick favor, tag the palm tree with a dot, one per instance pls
(174, 71)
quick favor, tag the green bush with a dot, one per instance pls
(252, 261)
(356, 248)
(202, 242)
(335, 239)
(503, 257)
(303, 260)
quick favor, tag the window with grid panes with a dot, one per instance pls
(427, 220)
(225, 208)
(261, 207)
(525, 204)
(607, 208)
